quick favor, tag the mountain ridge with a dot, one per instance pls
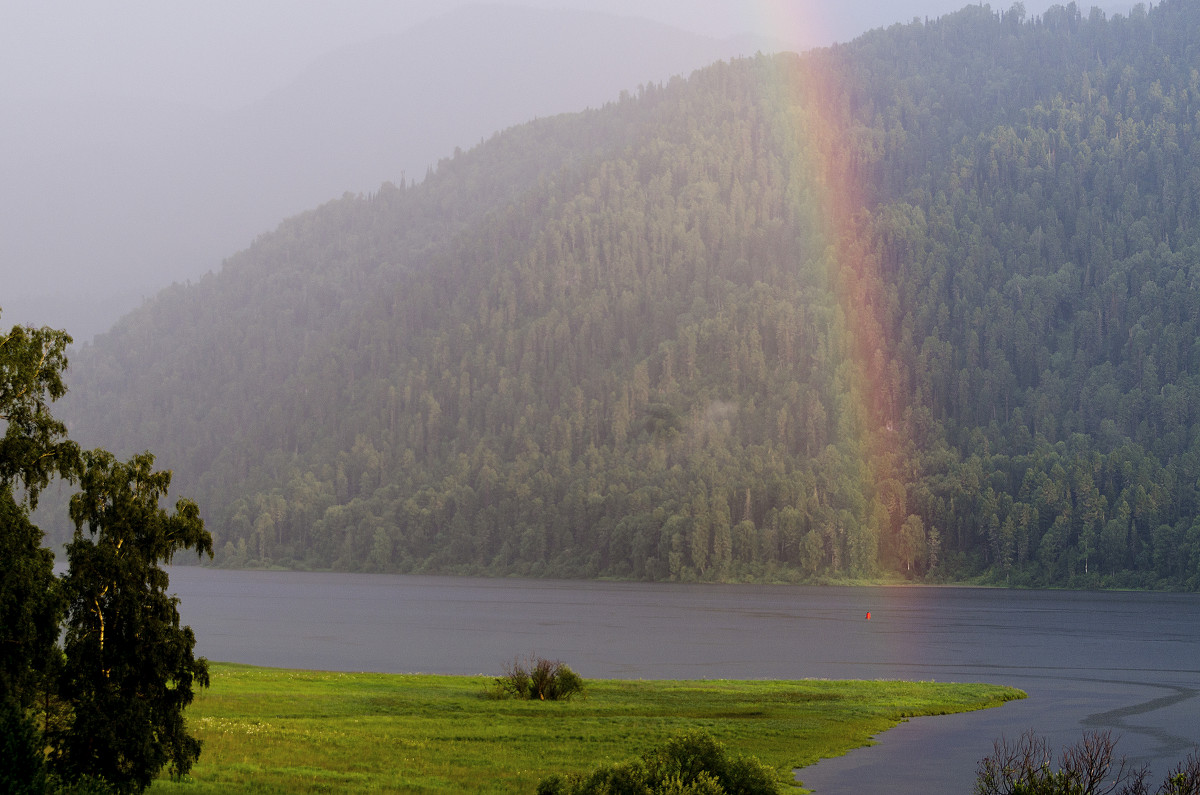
(886, 308)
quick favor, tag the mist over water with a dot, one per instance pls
(1127, 662)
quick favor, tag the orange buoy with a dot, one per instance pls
(868, 615)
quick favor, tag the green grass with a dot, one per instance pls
(276, 730)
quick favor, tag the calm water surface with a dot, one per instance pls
(1129, 662)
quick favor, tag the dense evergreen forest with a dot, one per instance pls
(927, 303)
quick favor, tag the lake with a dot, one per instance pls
(1128, 662)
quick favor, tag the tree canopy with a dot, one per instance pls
(108, 703)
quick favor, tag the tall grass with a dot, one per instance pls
(276, 730)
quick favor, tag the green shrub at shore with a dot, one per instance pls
(276, 730)
(537, 677)
(692, 763)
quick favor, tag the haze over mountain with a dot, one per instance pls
(152, 142)
(127, 196)
(924, 303)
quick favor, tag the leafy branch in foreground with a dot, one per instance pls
(1023, 767)
(129, 667)
(692, 763)
(103, 711)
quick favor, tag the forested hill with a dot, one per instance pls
(927, 303)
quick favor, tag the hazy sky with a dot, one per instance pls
(81, 82)
(226, 53)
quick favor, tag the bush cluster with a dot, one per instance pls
(539, 678)
(692, 763)
(1023, 767)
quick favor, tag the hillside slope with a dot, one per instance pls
(923, 303)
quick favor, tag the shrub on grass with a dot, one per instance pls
(539, 678)
(689, 764)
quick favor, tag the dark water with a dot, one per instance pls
(1129, 662)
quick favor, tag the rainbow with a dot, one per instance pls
(838, 158)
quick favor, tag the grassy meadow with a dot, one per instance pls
(278, 730)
